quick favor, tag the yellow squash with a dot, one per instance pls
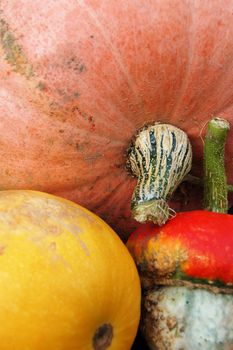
(67, 282)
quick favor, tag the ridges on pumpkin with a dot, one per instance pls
(132, 76)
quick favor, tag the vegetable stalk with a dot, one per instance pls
(215, 182)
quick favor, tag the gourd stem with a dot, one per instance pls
(195, 180)
(215, 182)
(160, 156)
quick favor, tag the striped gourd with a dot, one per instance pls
(160, 156)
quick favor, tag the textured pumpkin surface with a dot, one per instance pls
(63, 275)
(78, 78)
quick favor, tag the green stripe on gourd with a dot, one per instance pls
(160, 157)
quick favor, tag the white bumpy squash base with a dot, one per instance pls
(179, 318)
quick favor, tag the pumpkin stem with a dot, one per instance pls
(160, 157)
(195, 180)
(215, 182)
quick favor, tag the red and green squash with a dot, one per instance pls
(186, 265)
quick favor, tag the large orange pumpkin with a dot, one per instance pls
(67, 281)
(79, 77)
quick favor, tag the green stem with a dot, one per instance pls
(195, 180)
(215, 182)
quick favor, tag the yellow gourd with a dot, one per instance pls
(67, 282)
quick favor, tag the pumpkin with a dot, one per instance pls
(189, 248)
(79, 78)
(67, 280)
(186, 265)
(186, 269)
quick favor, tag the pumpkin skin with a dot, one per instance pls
(194, 246)
(78, 78)
(64, 275)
